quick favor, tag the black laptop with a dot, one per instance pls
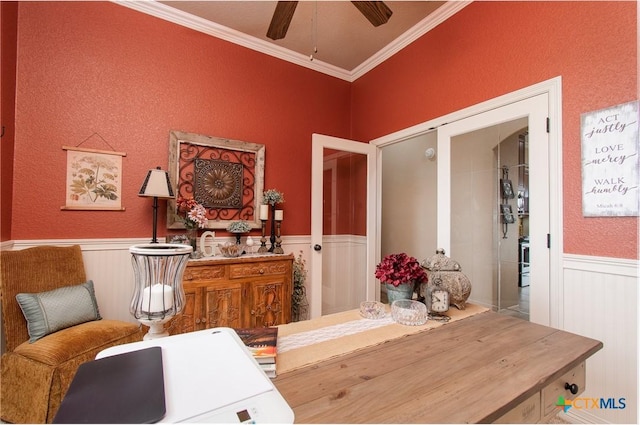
(125, 388)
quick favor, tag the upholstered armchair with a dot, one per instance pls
(44, 352)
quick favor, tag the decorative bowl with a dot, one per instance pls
(372, 310)
(409, 312)
(231, 250)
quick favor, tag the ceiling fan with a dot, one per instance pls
(376, 12)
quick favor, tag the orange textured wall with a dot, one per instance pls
(492, 48)
(86, 67)
(9, 33)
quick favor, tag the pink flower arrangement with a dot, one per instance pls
(397, 269)
(191, 212)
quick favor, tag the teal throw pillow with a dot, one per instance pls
(48, 312)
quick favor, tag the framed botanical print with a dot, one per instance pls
(94, 179)
(225, 176)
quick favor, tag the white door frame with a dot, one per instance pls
(553, 88)
(535, 110)
(318, 143)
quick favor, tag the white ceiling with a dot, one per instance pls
(347, 44)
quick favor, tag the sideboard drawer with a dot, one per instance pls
(237, 271)
(551, 392)
(203, 274)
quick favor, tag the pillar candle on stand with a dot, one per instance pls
(278, 246)
(157, 298)
(264, 212)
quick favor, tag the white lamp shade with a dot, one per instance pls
(157, 184)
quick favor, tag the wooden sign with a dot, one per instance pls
(610, 161)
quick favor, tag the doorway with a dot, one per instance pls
(466, 238)
(487, 227)
(481, 160)
(541, 103)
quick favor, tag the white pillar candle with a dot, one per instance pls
(264, 212)
(279, 214)
(157, 298)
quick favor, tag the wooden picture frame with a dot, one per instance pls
(94, 179)
(507, 189)
(225, 176)
(507, 214)
(610, 174)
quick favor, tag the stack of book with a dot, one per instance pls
(262, 343)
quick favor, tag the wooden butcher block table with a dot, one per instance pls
(483, 368)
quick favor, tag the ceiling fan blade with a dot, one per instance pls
(376, 12)
(281, 19)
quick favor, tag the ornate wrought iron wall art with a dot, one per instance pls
(218, 184)
(225, 176)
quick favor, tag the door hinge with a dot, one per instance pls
(548, 125)
(548, 240)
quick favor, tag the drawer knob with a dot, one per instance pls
(197, 321)
(571, 387)
(261, 271)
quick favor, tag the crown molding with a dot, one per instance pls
(162, 11)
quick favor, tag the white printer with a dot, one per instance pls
(210, 376)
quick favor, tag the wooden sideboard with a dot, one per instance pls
(484, 368)
(248, 291)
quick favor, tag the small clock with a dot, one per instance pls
(437, 299)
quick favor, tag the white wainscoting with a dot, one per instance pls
(600, 301)
(108, 263)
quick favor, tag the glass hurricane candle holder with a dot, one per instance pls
(158, 295)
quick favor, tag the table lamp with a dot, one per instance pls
(156, 185)
(158, 294)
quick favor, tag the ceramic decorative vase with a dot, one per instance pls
(404, 291)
